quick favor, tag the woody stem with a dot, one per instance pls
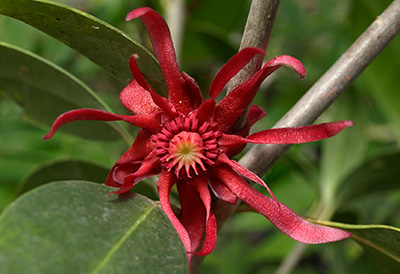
(323, 93)
(256, 34)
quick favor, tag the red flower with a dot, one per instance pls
(189, 141)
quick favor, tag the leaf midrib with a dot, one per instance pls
(149, 209)
(376, 247)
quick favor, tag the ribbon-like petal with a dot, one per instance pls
(279, 214)
(231, 68)
(150, 122)
(222, 191)
(160, 37)
(289, 135)
(210, 238)
(236, 102)
(165, 183)
(149, 167)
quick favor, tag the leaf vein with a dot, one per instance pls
(121, 241)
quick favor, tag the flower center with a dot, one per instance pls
(185, 148)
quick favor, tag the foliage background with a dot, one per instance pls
(333, 172)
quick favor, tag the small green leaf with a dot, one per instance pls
(100, 42)
(72, 227)
(45, 90)
(381, 242)
(64, 170)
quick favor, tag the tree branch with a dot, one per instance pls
(322, 94)
(256, 34)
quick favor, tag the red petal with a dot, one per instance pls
(290, 135)
(132, 159)
(233, 145)
(210, 239)
(136, 73)
(160, 37)
(193, 214)
(254, 115)
(222, 192)
(149, 167)
(230, 142)
(236, 102)
(164, 185)
(160, 101)
(206, 111)
(279, 214)
(244, 172)
(296, 135)
(142, 147)
(231, 68)
(196, 97)
(137, 100)
(150, 122)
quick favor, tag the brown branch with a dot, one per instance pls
(322, 94)
(256, 34)
(328, 88)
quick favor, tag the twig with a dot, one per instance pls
(328, 88)
(256, 34)
(323, 93)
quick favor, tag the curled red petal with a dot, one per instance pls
(279, 214)
(160, 37)
(164, 185)
(236, 102)
(210, 238)
(223, 158)
(222, 191)
(231, 68)
(296, 135)
(132, 158)
(150, 122)
(136, 73)
(193, 214)
(149, 167)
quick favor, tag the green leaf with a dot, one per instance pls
(100, 42)
(379, 173)
(344, 152)
(64, 170)
(45, 90)
(72, 227)
(381, 242)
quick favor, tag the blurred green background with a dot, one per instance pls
(352, 178)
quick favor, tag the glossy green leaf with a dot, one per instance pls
(100, 42)
(381, 242)
(45, 90)
(64, 170)
(72, 227)
(78, 170)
